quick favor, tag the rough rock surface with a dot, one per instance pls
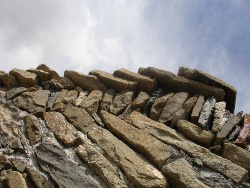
(220, 116)
(71, 96)
(81, 97)
(137, 170)
(86, 82)
(8, 80)
(45, 68)
(15, 179)
(38, 179)
(107, 99)
(145, 83)
(33, 129)
(43, 76)
(15, 92)
(91, 104)
(140, 100)
(243, 139)
(24, 77)
(197, 109)
(113, 82)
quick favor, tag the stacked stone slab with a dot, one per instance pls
(147, 129)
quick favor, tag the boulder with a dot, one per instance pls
(8, 80)
(114, 82)
(157, 152)
(43, 76)
(25, 78)
(15, 92)
(107, 99)
(243, 139)
(52, 99)
(98, 163)
(79, 118)
(70, 97)
(91, 104)
(197, 75)
(145, 83)
(171, 106)
(195, 134)
(63, 130)
(137, 170)
(140, 100)
(15, 179)
(86, 82)
(45, 68)
(38, 179)
(33, 129)
(81, 97)
(197, 110)
(172, 83)
(61, 96)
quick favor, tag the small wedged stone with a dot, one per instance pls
(5, 164)
(182, 175)
(197, 110)
(184, 112)
(121, 101)
(237, 155)
(43, 76)
(45, 68)
(156, 151)
(63, 130)
(234, 134)
(137, 170)
(15, 179)
(58, 107)
(8, 80)
(82, 96)
(171, 106)
(79, 118)
(102, 167)
(221, 116)
(33, 129)
(61, 96)
(86, 82)
(145, 83)
(52, 99)
(227, 128)
(70, 97)
(158, 106)
(38, 179)
(54, 160)
(243, 139)
(33, 102)
(171, 137)
(15, 92)
(194, 74)
(114, 82)
(140, 100)
(207, 113)
(24, 77)
(91, 104)
(195, 134)
(107, 99)
(172, 83)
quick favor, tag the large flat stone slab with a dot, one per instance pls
(114, 82)
(43, 76)
(156, 151)
(25, 78)
(181, 174)
(86, 82)
(15, 92)
(173, 83)
(101, 166)
(145, 83)
(171, 137)
(208, 79)
(137, 170)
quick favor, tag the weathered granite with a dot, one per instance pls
(197, 110)
(145, 83)
(15, 92)
(58, 107)
(207, 113)
(114, 82)
(79, 118)
(70, 97)
(173, 83)
(156, 151)
(15, 179)
(91, 104)
(43, 76)
(221, 116)
(121, 101)
(81, 97)
(234, 134)
(157, 94)
(33, 102)
(61, 96)
(140, 100)
(33, 130)
(45, 68)
(171, 106)
(227, 128)
(208, 79)
(38, 179)
(5, 163)
(8, 80)
(137, 170)
(184, 112)
(195, 134)
(52, 99)
(182, 175)
(171, 137)
(107, 99)
(243, 139)
(86, 82)
(98, 163)
(63, 130)
(158, 106)
(64, 172)
(25, 78)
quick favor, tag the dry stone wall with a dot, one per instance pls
(147, 129)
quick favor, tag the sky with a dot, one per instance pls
(84, 35)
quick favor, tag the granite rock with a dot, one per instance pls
(33, 130)
(107, 99)
(8, 80)
(45, 68)
(140, 100)
(197, 110)
(15, 92)
(221, 116)
(25, 78)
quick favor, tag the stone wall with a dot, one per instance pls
(147, 129)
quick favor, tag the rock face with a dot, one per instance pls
(147, 129)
